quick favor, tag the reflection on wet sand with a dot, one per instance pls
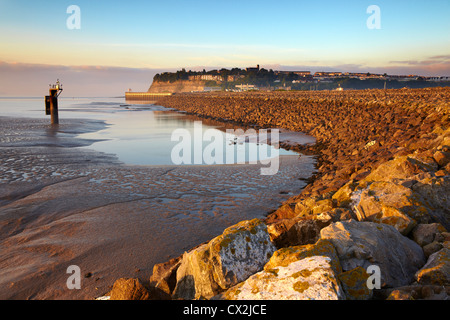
(63, 204)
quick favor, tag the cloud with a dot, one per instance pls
(444, 57)
(25, 79)
(431, 66)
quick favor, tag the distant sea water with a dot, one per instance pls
(138, 134)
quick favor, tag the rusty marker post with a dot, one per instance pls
(51, 102)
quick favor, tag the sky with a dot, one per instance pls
(123, 44)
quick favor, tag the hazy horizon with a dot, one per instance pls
(122, 45)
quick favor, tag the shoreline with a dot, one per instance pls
(67, 205)
(383, 164)
(321, 126)
(386, 143)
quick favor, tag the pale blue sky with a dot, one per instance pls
(414, 35)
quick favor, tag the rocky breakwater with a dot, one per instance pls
(372, 224)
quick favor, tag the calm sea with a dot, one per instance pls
(147, 134)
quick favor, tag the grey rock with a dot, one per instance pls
(361, 244)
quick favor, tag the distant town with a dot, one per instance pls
(256, 78)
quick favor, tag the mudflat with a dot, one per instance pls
(62, 204)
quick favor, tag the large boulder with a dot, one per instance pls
(435, 195)
(164, 277)
(295, 231)
(335, 215)
(419, 292)
(311, 278)
(286, 211)
(342, 197)
(313, 206)
(285, 256)
(242, 250)
(129, 289)
(354, 283)
(390, 203)
(437, 269)
(410, 184)
(400, 168)
(362, 244)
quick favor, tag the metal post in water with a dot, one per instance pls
(51, 102)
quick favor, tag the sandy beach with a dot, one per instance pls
(63, 205)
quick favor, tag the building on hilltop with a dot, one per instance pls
(303, 73)
(328, 74)
(252, 69)
(364, 76)
(298, 73)
(206, 77)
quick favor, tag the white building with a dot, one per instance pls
(246, 87)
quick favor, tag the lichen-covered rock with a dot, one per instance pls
(401, 192)
(435, 195)
(336, 214)
(354, 283)
(296, 231)
(425, 158)
(228, 259)
(285, 256)
(342, 197)
(400, 168)
(400, 295)
(322, 206)
(313, 206)
(303, 207)
(361, 244)
(311, 278)
(419, 292)
(129, 289)
(437, 269)
(390, 203)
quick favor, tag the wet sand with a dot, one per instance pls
(63, 205)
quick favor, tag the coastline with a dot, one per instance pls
(383, 164)
(63, 204)
(342, 135)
